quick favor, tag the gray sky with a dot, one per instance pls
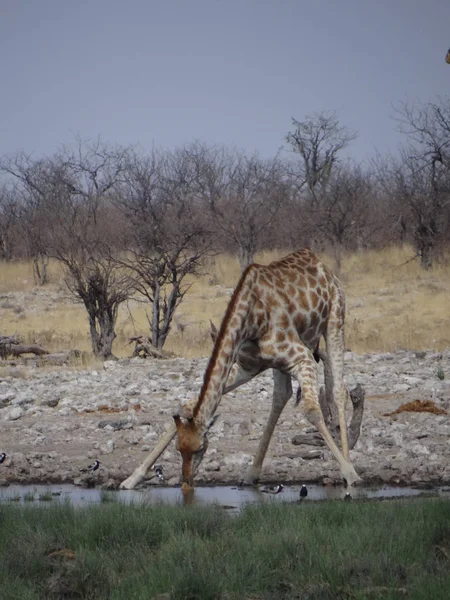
(229, 71)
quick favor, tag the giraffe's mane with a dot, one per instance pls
(218, 343)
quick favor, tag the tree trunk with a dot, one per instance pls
(155, 316)
(426, 255)
(169, 310)
(40, 263)
(101, 327)
(425, 238)
(246, 257)
(163, 310)
(6, 249)
(338, 258)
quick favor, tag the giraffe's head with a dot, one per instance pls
(192, 442)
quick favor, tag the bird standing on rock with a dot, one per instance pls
(273, 489)
(303, 492)
(159, 473)
(95, 465)
(2, 457)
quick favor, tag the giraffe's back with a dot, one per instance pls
(297, 293)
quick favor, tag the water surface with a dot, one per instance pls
(229, 497)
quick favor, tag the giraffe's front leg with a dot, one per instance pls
(282, 391)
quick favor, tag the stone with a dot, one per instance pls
(212, 466)
(411, 381)
(5, 399)
(107, 448)
(115, 425)
(401, 387)
(311, 454)
(51, 402)
(13, 413)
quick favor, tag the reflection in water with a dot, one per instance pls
(232, 498)
(188, 495)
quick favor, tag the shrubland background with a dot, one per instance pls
(391, 303)
(99, 243)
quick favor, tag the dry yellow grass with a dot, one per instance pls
(391, 304)
(16, 277)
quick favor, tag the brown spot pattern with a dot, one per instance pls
(295, 296)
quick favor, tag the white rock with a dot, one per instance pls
(109, 364)
(212, 466)
(418, 450)
(107, 448)
(401, 387)
(13, 413)
(412, 380)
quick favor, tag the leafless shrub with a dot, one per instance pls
(164, 238)
(68, 214)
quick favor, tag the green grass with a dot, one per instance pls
(46, 497)
(320, 551)
(440, 374)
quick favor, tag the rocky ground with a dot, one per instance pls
(52, 423)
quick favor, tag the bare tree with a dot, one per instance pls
(423, 215)
(422, 179)
(427, 127)
(318, 140)
(31, 186)
(165, 238)
(67, 200)
(84, 238)
(8, 223)
(344, 215)
(243, 194)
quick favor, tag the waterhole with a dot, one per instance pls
(229, 497)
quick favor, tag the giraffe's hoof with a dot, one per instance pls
(352, 480)
(249, 481)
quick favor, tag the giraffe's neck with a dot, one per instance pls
(231, 335)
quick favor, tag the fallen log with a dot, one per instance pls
(308, 439)
(54, 359)
(19, 349)
(357, 397)
(9, 339)
(145, 349)
(6, 342)
(62, 358)
(10, 345)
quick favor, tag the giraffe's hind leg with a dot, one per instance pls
(282, 391)
(304, 370)
(335, 350)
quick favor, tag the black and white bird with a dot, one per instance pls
(2, 457)
(95, 465)
(347, 497)
(273, 489)
(303, 492)
(159, 473)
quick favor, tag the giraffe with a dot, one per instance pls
(275, 319)
(248, 360)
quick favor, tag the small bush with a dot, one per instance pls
(440, 373)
